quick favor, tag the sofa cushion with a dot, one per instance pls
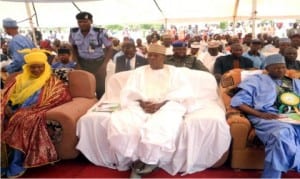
(82, 84)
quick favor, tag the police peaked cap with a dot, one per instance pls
(63, 51)
(84, 15)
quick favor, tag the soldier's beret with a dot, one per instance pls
(179, 44)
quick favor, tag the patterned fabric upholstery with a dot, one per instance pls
(62, 74)
(55, 130)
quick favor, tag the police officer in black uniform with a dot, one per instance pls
(92, 49)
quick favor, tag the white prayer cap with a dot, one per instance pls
(195, 45)
(284, 40)
(213, 44)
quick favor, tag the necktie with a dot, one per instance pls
(127, 64)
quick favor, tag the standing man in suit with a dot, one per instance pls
(130, 60)
(88, 43)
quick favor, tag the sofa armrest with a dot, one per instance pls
(240, 128)
(65, 117)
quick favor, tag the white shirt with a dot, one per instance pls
(132, 62)
(154, 79)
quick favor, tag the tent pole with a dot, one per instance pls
(253, 18)
(166, 23)
(236, 5)
(30, 22)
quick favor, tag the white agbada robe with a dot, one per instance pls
(209, 60)
(134, 134)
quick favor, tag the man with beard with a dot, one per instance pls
(181, 59)
(231, 61)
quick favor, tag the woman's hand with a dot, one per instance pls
(8, 112)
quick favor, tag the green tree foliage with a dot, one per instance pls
(117, 27)
(114, 27)
(223, 25)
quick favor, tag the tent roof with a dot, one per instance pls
(62, 13)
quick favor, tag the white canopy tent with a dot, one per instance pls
(55, 13)
(61, 13)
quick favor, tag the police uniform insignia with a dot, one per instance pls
(96, 29)
(86, 16)
(74, 29)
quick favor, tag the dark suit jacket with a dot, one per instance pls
(225, 63)
(121, 63)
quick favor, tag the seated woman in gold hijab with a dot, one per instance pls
(24, 103)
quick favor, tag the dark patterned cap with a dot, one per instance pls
(179, 44)
(84, 15)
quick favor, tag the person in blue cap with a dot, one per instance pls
(258, 97)
(88, 42)
(181, 59)
(18, 42)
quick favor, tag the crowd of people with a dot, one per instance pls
(89, 48)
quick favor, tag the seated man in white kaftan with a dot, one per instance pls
(153, 101)
(260, 97)
(204, 135)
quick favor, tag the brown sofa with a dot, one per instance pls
(61, 120)
(247, 152)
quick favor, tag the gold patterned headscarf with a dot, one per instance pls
(26, 84)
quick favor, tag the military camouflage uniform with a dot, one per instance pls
(189, 61)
